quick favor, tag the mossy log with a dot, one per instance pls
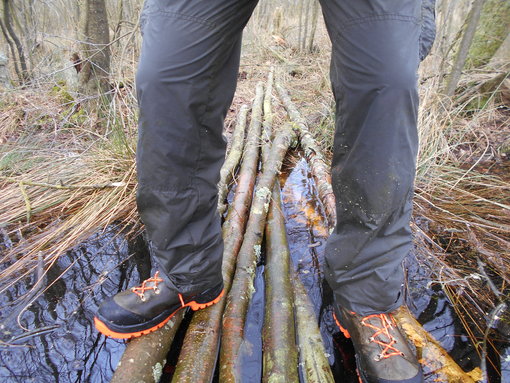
(242, 288)
(144, 357)
(313, 155)
(312, 356)
(280, 360)
(197, 359)
(233, 158)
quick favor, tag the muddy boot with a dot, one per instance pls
(382, 352)
(145, 308)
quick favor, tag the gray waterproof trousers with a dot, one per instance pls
(186, 81)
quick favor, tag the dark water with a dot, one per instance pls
(70, 350)
(61, 345)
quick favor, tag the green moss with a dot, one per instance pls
(492, 29)
(60, 90)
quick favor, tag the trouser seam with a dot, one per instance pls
(378, 17)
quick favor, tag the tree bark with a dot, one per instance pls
(279, 338)
(144, 357)
(465, 44)
(25, 77)
(312, 356)
(95, 49)
(232, 160)
(242, 288)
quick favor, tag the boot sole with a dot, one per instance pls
(103, 328)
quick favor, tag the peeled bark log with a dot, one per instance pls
(320, 170)
(144, 357)
(312, 356)
(232, 160)
(242, 289)
(197, 359)
(279, 339)
(430, 352)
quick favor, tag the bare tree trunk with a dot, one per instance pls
(95, 48)
(462, 54)
(16, 41)
(306, 3)
(315, 18)
(12, 49)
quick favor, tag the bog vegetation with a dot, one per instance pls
(68, 134)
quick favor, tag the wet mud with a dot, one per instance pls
(53, 338)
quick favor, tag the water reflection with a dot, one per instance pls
(71, 350)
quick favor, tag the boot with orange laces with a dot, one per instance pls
(143, 309)
(382, 352)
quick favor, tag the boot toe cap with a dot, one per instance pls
(111, 312)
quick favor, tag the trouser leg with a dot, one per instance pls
(185, 83)
(373, 72)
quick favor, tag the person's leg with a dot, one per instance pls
(374, 78)
(185, 82)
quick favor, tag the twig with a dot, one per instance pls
(60, 187)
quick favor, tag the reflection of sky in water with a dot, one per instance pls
(73, 351)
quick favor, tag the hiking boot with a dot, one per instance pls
(382, 352)
(145, 308)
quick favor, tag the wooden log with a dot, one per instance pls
(233, 158)
(312, 356)
(313, 155)
(280, 359)
(144, 357)
(267, 124)
(198, 356)
(242, 288)
(431, 355)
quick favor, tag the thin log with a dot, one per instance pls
(313, 155)
(267, 124)
(242, 288)
(279, 339)
(430, 352)
(312, 356)
(233, 158)
(197, 359)
(61, 186)
(144, 357)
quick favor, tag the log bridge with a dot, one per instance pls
(292, 345)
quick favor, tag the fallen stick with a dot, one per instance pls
(233, 157)
(279, 338)
(313, 155)
(312, 356)
(267, 124)
(199, 352)
(144, 357)
(242, 288)
(430, 353)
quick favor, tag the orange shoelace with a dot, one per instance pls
(387, 323)
(140, 290)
